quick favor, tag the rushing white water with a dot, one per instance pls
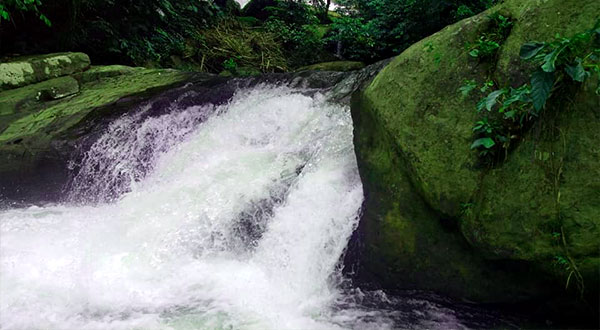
(230, 217)
(170, 253)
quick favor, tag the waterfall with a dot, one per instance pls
(206, 217)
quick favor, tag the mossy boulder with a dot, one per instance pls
(23, 71)
(341, 66)
(434, 217)
(44, 120)
(37, 121)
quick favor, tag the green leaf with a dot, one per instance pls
(474, 53)
(485, 142)
(530, 49)
(481, 104)
(510, 114)
(541, 86)
(45, 20)
(491, 99)
(467, 87)
(576, 71)
(550, 59)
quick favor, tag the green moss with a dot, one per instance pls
(30, 125)
(14, 74)
(23, 71)
(17, 103)
(105, 71)
(556, 172)
(540, 21)
(416, 97)
(413, 132)
(406, 247)
(92, 95)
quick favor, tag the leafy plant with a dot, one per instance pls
(353, 38)
(463, 11)
(509, 110)
(302, 43)
(468, 86)
(566, 263)
(145, 33)
(484, 47)
(230, 65)
(370, 30)
(489, 42)
(8, 6)
(563, 57)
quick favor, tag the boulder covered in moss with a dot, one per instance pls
(23, 71)
(435, 217)
(40, 122)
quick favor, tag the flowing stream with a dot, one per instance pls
(228, 217)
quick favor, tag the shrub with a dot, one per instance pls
(561, 63)
(9, 7)
(384, 28)
(296, 27)
(110, 31)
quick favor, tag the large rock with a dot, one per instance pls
(37, 120)
(434, 218)
(32, 69)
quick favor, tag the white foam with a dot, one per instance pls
(165, 255)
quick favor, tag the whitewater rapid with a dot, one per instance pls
(205, 217)
(237, 220)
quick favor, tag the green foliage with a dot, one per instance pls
(541, 83)
(22, 6)
(130, 32)
(463, 11)
(293, 13)
(508, 111)
(466, 208)
(468, 86)
(230, 64)
(155, 30)
(369, 30)
(295, 27)
(484, 48)
(566, 264)
(489, 42)
(358, 37)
